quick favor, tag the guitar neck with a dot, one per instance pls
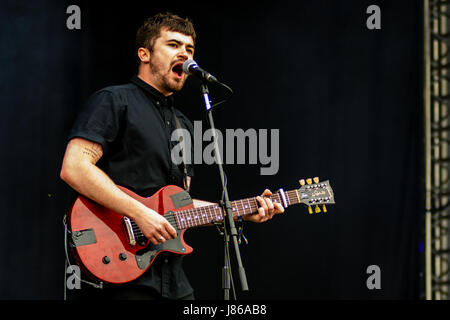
(214, 213)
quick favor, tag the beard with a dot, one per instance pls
(165, 78)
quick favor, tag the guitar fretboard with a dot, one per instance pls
(311, 194)
(214, 213)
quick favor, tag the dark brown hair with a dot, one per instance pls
(151, 28)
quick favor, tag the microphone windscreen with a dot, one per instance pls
(188, 64)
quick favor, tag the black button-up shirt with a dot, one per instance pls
(134, 123)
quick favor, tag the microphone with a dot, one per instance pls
(191, 67)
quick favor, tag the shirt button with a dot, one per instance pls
(166, 261)
(168, 123)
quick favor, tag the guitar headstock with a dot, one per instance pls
(315, 193)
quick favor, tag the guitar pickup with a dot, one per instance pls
(83, 237)
(129, 230)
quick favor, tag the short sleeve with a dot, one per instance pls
(100, 119)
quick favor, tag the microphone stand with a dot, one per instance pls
(228, 220)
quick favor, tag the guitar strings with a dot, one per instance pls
(207, 214)
(187, 219)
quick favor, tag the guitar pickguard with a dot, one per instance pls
(144, 257)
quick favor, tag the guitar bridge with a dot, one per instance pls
(129, 230)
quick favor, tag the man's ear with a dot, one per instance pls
(144, 54)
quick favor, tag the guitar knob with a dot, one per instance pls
(106, 260)
(123, 256)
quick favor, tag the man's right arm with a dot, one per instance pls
(79, 170)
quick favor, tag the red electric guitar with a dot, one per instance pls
(111, 248)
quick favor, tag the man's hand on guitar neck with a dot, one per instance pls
(267, 209)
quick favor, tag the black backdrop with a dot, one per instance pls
(347, 102)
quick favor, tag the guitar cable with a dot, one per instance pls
(69, 263)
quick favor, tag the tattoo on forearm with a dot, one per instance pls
(93, 152)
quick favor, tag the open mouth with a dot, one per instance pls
(178, 69)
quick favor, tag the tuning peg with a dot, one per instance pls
(324, 208)
(302, 182)
(310, 210)
(309, 181)
(316, 179)
(317, 209)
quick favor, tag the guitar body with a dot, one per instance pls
(101, 241)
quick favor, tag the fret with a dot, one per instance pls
(298, 197)
(200, 213)
(211, 214)
(177, 220)
(203, 214)
(192, 217)
(195, 217)
(186, 220)
(279, 200)
(255, 205)
(217, 216)
(294, 196)
(183, 222)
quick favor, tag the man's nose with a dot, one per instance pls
(184, 54)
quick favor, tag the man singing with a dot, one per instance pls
(122, 137)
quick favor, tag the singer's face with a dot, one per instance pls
(169, 52)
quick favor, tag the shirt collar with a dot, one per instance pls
(152, 91)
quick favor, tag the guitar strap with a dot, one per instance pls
(183, 154)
